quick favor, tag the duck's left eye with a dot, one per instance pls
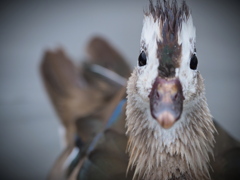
(194, 62)
(142, 59)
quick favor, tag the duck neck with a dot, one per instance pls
(181, 152)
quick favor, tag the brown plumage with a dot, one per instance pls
(84, 100)
(192, 146)
(72, 88)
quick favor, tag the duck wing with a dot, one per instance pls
(84, 98)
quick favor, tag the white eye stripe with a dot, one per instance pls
(151, 35)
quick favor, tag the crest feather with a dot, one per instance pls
(169, 14)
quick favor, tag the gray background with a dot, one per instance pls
(29, 141)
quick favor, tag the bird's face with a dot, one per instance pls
(167, 76)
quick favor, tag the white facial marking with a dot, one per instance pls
(151, 34)
(149, 37)
(186, 38)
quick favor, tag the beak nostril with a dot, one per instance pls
(175, 96)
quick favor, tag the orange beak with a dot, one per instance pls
(166, 101)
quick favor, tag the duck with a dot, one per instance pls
(157, 125)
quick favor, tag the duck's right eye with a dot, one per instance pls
(142, 59)
(194, 62)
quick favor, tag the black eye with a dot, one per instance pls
(194, 62)
(142, 59)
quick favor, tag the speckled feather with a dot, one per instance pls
(151, 151)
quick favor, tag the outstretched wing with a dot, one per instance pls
(84, 98)
(78, 91)
(69, 92)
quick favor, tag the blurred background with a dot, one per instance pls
(29, 141)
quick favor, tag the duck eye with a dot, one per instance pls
(194, 62)
(142, 59)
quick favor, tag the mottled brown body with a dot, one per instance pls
(178, 153)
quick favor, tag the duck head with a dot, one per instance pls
(167, 75)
